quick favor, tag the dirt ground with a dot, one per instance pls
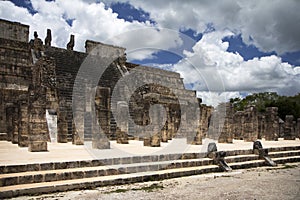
(282, 182)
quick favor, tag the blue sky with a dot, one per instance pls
(250, 46)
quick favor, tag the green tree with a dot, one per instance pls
(286, 105)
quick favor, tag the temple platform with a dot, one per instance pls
(11, 154)
(69, 167)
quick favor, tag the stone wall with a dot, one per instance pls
(15, 72)
(14, 31)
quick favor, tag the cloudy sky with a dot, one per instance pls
(222, 48)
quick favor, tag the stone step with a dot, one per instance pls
(59, 186)
(4, 169)
(260, 163)
(284, 153)
(87, 172)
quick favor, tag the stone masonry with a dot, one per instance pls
(36, 77)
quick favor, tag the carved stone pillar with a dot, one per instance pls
(271, 124)
(62, 123)
(78, 118)
(9, 121)
(238, 121)
(15, 124)
(99, 138)
(289, 133)
(122, 116)
(38, 128)
(23, 121)
(226, 135)
(250, 125)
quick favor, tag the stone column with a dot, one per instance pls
(238, 121)
(261, 125)
(272, 124)
(226, 135)
(102, 106)
(171, 124)
(3, 126)
(217, 127)
(9, 121)
(298, 128)
(78, 118)
(156, 134)
(281, 128)
(78, 132)
(250, 125)
(38, 128)
(23, 121)
(164, 131)
(122, 117)
(99, 138)
(62, 123)
(289, 133)
(15, 124)
(213, 129)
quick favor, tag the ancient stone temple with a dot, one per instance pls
(36, 78)
(96, 96)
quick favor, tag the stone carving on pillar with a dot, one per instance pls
(15, 133)
(37, 45)
(71, 43)
(48, 38)
(23, 121)
(38, 128)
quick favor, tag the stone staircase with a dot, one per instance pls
(38, 178)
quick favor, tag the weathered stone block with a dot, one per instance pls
(155, 141)
(101, 144)
(36, 146)
(147, 142)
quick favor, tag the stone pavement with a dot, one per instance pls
(11, 154)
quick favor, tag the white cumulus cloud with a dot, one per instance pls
(270, 26)
(90, 21)
(210, 68)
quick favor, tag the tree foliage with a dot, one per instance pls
(287, 105)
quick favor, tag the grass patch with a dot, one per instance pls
(285, 166)
(117, 191)
(150, 188)
(289, 166)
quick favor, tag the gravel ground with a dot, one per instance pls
(283, 182)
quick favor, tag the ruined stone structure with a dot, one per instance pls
(250, 125)
(36, 78)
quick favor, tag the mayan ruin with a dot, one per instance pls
(73, 120)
